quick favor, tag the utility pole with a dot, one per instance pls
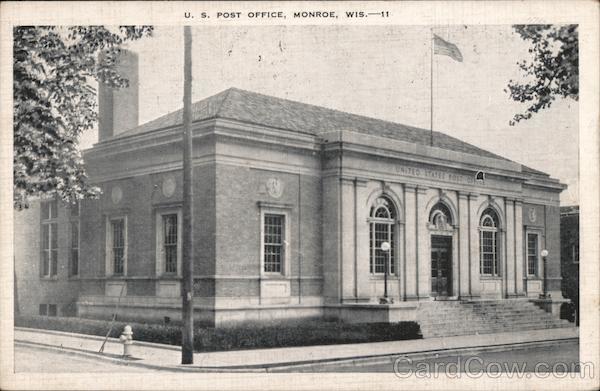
(187, 308)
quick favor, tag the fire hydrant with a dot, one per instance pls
(127, 339)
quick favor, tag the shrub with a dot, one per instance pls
(237, 337)
(567, 311)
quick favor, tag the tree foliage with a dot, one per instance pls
(553, 71)
(55, 101)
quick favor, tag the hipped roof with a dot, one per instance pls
(265, 110)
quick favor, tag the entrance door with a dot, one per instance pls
(441, 265)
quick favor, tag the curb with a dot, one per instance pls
(126, 362)
(418, 356)
(97, 356)
(354, 361)
(96, 337)
(389, 357)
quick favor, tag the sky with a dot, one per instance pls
(376, 71)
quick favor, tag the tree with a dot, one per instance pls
(55, 101)
(554, 70)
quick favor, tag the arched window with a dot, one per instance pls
(440, 217)
(382, 228)
(488, 243)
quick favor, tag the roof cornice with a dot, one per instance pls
(347, 140)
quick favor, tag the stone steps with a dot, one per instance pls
(487, 317)
(488, 331)
(446, 318)
(487, 327)
(486, 322)
(482, 329)
(460, 313)
(491, 328)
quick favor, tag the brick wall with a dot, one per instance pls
(32, 289)
(569, 253)
(553, 247)
(546, 218)
(142, 196)
(239, 192)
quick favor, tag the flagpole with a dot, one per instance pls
(431, 90)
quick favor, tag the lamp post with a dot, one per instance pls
(544, 255)
(385, 247)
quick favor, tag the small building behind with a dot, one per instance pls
(569, 257)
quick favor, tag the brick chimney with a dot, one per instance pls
(118, 108)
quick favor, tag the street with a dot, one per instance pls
(567, 353)
(45, 361)
(29, 359)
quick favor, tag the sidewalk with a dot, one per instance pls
(167, 357)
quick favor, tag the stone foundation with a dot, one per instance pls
(224, 312)
(372, 313)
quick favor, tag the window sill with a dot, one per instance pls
(49, 278)
(169, 276)
(484, 277)
(382, 277)
(532, 277)
(116, 277)
(274, 276)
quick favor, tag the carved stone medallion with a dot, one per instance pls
(116, 194)
(274, 187)
(532, 215)
(168, 186)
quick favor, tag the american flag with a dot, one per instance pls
(446, 48)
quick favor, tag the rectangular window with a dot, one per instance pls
(49, 228)
(488, 252)
(43, 310)
(52, 310)
(391, 255)
(170, 242)
(380, 233)
(532, 254)
(273, 243)
(74, 210)
(49, 210)
(380, 255)
(74, 248)
(118, 245)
